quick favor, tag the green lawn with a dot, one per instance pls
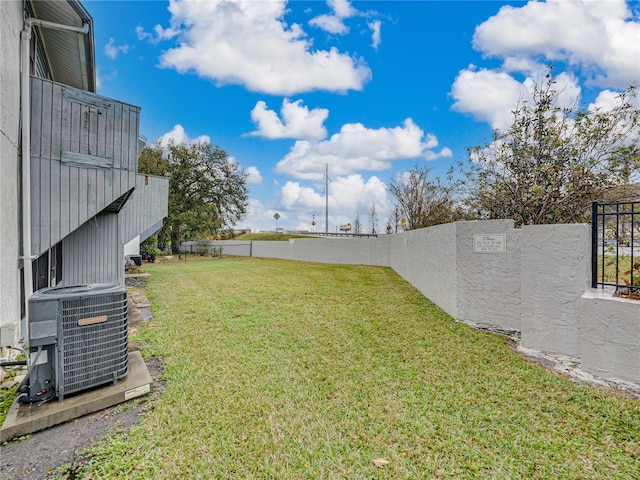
(285, 370)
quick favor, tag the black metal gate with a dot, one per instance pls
(615, 246)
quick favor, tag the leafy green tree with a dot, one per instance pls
(207, 191)
(423, 202)
(552, 162)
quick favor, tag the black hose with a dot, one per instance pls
(13, 363)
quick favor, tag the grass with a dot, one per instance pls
(285, 370)
(625, 267)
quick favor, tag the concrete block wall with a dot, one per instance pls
(556, 271)
(610, 336)
(488, 281)
(426, 258)
(348, 251)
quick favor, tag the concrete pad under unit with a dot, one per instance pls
(25, 419)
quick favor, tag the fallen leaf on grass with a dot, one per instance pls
(380, 462)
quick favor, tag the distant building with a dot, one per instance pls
(70, 194)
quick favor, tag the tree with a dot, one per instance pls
(552, 162)
(373, 219)
(357, 225)
(423, 202)
(207, 191)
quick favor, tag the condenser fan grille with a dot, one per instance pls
(93, 346)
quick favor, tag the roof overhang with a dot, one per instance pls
(71, 55)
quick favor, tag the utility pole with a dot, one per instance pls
(326, 199)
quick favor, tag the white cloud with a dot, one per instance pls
(375, 33)
(112, 50)
(296, 122)
(253, 175)
(258, 217)
(348, 196)
(330, 23)
(178, 135)
(159, 34)
(598, 38)
(595, 40)
(358, 148)
(487, 95)
(334, 23)
(342, 8)
(248, 43)
(295, 195)
(491, 96)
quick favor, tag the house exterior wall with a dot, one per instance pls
(83, 160)
(92, 253)
(11, 19)
(145, 209)
(84, 150)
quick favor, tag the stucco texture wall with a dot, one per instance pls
(426, 258)
(555, 274)
(488, 281)
(610, 337)
(11, 18)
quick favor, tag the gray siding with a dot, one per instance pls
(93, 253)
(146, 208)
(84, 151)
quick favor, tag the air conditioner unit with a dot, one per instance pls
(77, 338)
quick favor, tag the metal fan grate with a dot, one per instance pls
(93, 349)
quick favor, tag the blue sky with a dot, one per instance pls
(368, 88)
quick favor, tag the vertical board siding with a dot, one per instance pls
(83, 157)
(146, 207)
(83, 189)
(36, 117)
(74, 201)
(55, 181)
(35, 206)
(93, 253)
(65, 205)
(117, 133)
(46, 118)
(57, 117)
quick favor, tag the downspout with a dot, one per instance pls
(25, 111)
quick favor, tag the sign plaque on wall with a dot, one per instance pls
(491, 243)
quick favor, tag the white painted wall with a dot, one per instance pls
(488, 283)
(610, 336)
(132, 247)
(426, 258)
(11, 21)
(556, 271)
(349, 251)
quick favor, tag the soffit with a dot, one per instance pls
(70, 54)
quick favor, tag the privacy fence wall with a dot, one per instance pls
(535, 281)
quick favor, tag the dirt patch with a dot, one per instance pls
(632, 293)
(40, 454)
